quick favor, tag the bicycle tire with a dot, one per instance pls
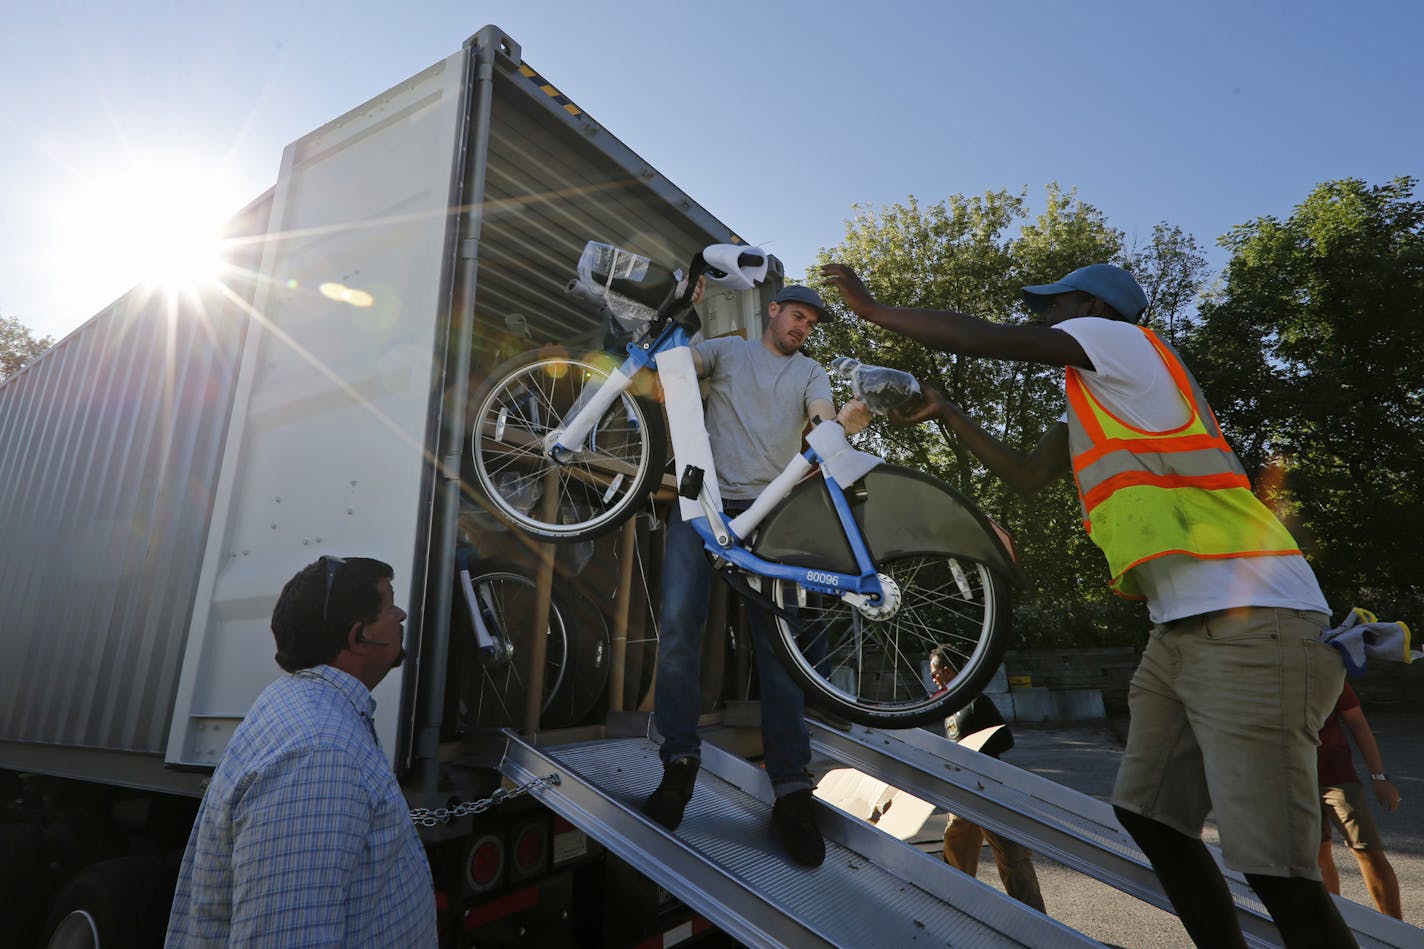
(575, 663)
(584, 690)
(530, 396)
(951, 568)
(873, 670)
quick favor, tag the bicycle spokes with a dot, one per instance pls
(598, 482)
(872, 661)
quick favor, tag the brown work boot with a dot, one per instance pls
(666, 804)
(794, 817)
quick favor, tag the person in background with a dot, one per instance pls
(1343, 803)
(963, 839)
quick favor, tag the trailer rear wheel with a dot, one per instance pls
(23, 882)
(117, 904)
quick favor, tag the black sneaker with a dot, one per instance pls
(666, 804)
(794, 818)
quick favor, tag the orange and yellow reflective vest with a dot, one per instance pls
(1149, 494)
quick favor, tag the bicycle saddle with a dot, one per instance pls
(735, 265)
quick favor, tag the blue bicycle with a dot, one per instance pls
(867, 568)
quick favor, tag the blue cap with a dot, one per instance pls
(1109, 283)
(796, 293)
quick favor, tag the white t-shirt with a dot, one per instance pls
(1130, 380)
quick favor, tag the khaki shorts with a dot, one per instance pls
(1226, 711)
(1345, 807)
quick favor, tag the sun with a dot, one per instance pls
(156, 223)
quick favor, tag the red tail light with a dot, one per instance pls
(485, 863)
(530, 850)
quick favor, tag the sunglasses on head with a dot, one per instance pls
(333, 567)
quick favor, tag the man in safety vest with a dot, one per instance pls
(1234, 683)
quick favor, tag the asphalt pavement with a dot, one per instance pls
(1084, 756)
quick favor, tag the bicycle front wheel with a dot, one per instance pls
(607, 477)
(575, 670)
(495, 695)
(871, 665)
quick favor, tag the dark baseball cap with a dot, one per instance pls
(796, 293)
(1111, 284)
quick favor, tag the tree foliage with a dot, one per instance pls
(1312, 354)
(972, 254)
(18, 346)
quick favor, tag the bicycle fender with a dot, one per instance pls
(900, 511)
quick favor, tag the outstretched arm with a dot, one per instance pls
(1354, 720)
(958, 332)
(1026, 473)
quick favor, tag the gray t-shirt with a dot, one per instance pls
(756, 410)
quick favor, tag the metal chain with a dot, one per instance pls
(425, 817)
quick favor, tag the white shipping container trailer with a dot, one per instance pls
(170, 464)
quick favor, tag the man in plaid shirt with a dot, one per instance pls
(304, 837)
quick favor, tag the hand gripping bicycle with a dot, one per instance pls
(866, 569)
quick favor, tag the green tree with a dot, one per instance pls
(1313, 356)
(972, 254)
(1172, 269)
(18, 346)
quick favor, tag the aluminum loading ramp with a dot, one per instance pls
(1073, 829)
(872, 890)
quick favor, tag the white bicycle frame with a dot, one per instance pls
(841, 464)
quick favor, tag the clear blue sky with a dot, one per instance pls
(1203, 115)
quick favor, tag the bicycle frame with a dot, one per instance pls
(669, 351)
(864, 576)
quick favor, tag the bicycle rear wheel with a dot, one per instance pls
(871, 665)
(618, 465)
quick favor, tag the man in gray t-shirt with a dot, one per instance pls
(761, 392)
(758, 401)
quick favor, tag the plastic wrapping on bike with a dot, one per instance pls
(846, 464)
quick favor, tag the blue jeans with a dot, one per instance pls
(677, 699)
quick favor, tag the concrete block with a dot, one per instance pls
(896, 812)
(852, 791)
(903, 815)
(1000, 682)
(1080, 704)
(1004, 702)
(1034, 704)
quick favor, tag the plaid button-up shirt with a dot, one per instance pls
(304, 837)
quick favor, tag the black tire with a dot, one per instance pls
(117, 904)
(872, 669)
(530, 396)
(25, 886)
(576, 654)
(583, 694)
